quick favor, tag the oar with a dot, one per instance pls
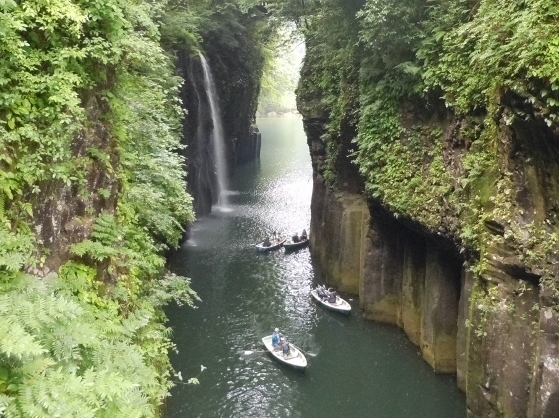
(306, 352)
(249, 352)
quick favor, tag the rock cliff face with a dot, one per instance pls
(495, 325)
(64, 213)
(237, 101)
(401, 276)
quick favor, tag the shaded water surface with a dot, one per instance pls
(356, 368)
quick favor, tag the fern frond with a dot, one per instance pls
(17, 343)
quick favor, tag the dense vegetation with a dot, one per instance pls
(92, 193)
(402, 72)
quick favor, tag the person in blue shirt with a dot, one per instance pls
(276, 336)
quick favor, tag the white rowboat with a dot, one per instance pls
(340, 306)
(296, 359)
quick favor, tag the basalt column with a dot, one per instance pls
(338, 236)
(414, 282)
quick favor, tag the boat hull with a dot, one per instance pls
(274, 246)
(295, 245)
(341, 305)
(297, 360)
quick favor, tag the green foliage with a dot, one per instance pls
(49, 56)
(282, 59)
(421, 65)
(172, 288)
(403, 167)
(180, 26)
(15, 249)
(62, 356)
(473, 53)
(390, 32)
(154, 180)
(331, 73)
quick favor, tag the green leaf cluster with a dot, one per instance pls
(16, 249)
(476, 51)
(146, 119)
(282, 58)
(63, 356)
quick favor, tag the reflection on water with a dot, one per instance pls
(356, 368)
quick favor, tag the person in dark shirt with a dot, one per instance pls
(332, 297)
(304, 235)
(285, 349)
(266, 242)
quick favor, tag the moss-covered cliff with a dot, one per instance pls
(91, 192)
(441, 121)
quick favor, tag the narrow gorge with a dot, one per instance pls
(433, 134)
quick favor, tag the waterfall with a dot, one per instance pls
(217, 138)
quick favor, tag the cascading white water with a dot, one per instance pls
(217, 138)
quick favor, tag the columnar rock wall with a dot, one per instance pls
(338, 237)
(458, 159)
(401, 278)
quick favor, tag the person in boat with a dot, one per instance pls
(332, 297)
(295, 238)
(266, 242)
(304, 236)
(285, 348)
(321, 292)
(276, 338)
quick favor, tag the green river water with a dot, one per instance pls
(356, 368)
